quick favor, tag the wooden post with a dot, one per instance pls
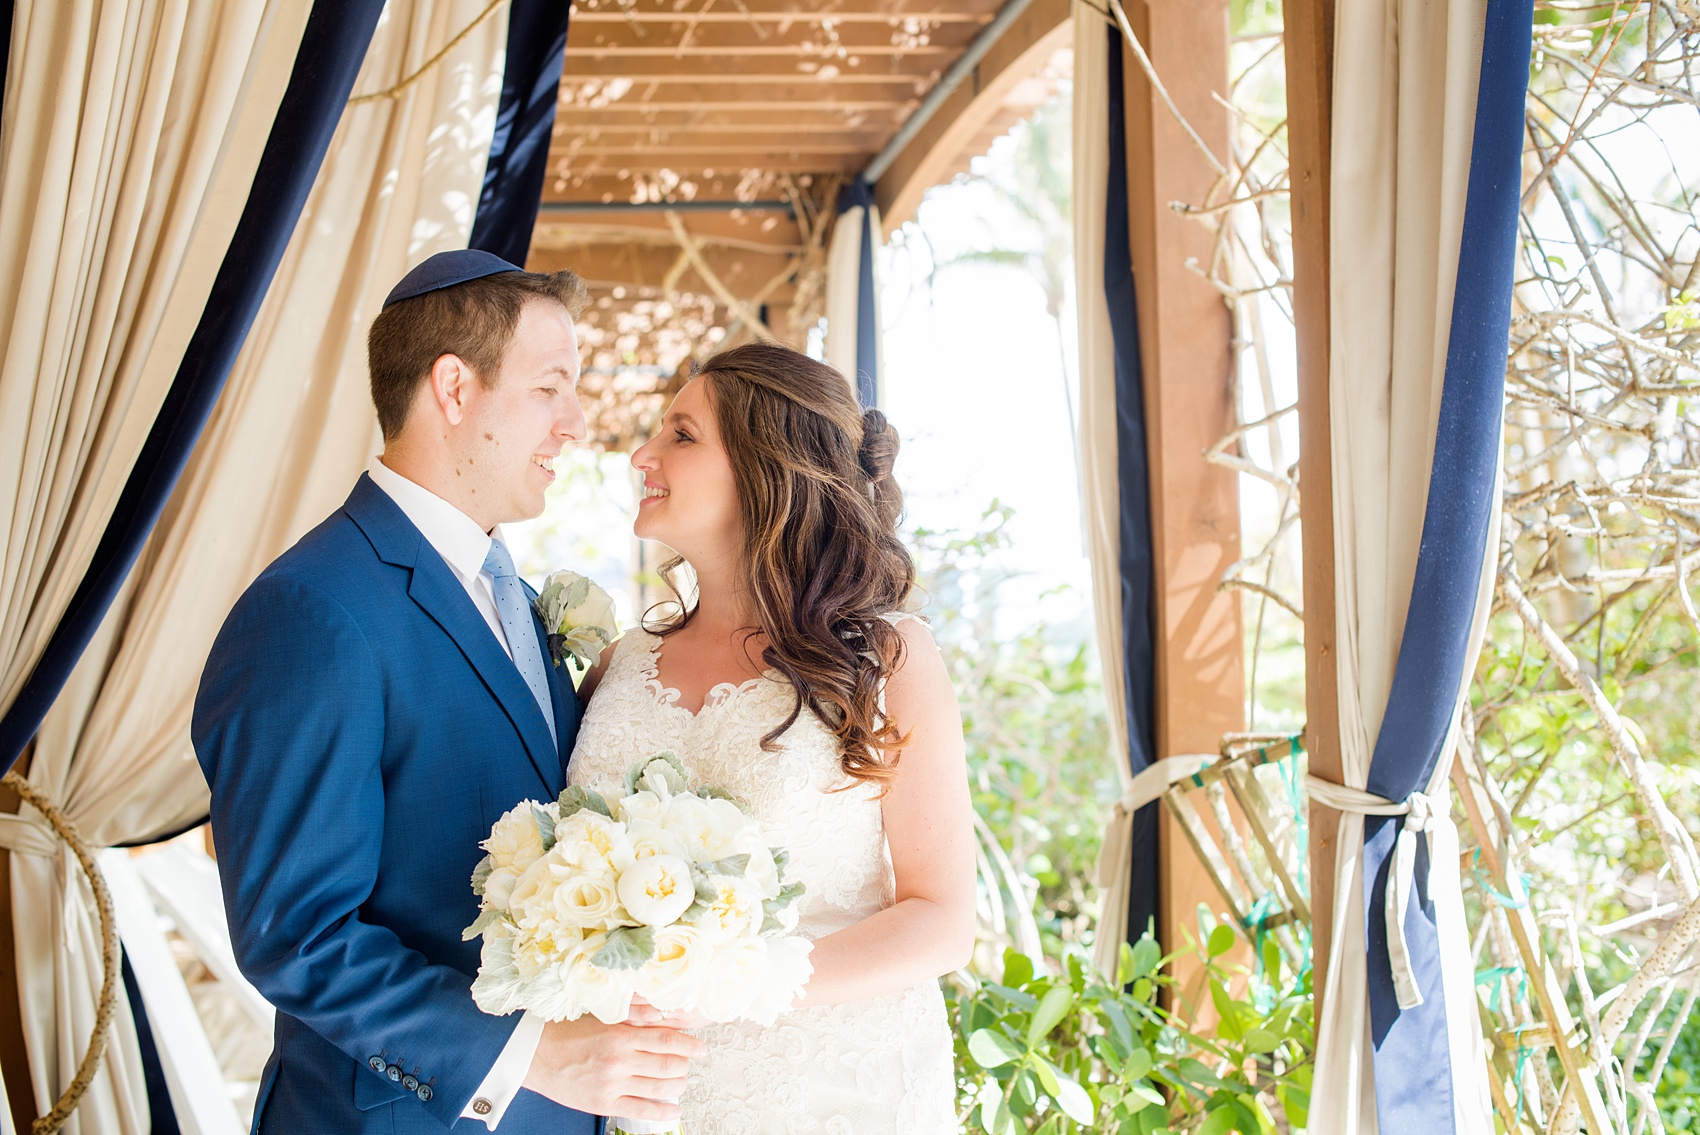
(1185, 332)
(1310, 70)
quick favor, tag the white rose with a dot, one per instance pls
(710, 828)
(515, 841)
(604, 993)
(683, 959)
(646, 839)
(734, 911)
(539, 948)
(643, 806)
(531, 900)
(738, 971)
(588, 901)
(656, 890)
(499, 887)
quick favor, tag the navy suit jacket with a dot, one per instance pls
(361, 729)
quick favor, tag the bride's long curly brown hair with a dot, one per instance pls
(821, 557)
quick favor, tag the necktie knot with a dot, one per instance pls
(499, 563)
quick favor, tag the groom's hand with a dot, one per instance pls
(624, 1070)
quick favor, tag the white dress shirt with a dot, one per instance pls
(464, 546)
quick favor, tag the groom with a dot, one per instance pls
(378, 697)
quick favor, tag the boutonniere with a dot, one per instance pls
(579, 616)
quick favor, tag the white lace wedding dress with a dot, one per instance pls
(876, 1067)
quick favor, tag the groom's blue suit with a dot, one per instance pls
(361, 728)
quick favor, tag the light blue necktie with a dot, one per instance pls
(515, 610)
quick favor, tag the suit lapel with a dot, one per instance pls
(440, 595)
(563, 694)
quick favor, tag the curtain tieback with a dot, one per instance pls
(26, 835)
(1423, 815)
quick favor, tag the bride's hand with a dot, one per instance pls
(648, 1016)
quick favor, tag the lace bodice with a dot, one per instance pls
(870, 1066)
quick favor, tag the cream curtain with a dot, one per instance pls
(1099, 477)
(290, 434)
(843, 290)
(1405, 83)
(131, 132)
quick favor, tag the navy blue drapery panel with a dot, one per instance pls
(1413, 1079)
(859, 193)
(332, 49)
(525, 118)
(1138, 592)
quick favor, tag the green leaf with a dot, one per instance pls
(990, 1048)
(545, 826)
(990, 1102)
(1146, 955)
(1218, 1122)
(1017, 969)
(1121, 1033)
(627, 947)
(1230, 1027)
(1296, 1103)
(485, 919)
(1146, 1092)
(576, 592)
(1221, 940)
(1053, 1007)
(731, 865)
(1138, 1065)
(1261, 1041)
(576, 799)
(481, 875)
(1024, 1092)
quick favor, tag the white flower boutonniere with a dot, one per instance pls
(579, 616)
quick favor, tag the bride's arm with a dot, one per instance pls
(929, 824)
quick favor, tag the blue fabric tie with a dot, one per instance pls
(515, 609)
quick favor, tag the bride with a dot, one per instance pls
(796, 682)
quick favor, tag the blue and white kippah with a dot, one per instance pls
(445, 270)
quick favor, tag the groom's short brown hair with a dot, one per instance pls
(473, 321)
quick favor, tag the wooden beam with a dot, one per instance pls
(756, 67)
(567, 183)
(937, 149)
(892, 36)
(763, 110)
(787, 12)
(767, 231)
(1185, 333)
(602, 91)
(1310, 67)
(648, 267)
(697, 161)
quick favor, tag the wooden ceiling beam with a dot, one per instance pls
(668, 11)
(771, 91)
(567, 183)
(737, 67)
(894, 107)
(876, 128)
(696, 164)
(646, 267)
(750, 232)
(799, 38)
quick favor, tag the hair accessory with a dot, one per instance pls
(445, 270)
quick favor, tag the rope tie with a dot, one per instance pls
(1423, 817)
(96, 1052)
(401, 88)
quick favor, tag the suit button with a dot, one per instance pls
(424, 1093)
(481, 1106)
(394, 1072)
(376, 1064)
(411, 1083)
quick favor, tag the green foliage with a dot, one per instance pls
(1060, 1052)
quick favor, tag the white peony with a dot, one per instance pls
(646, 839)
(657, 890)
(515, 841)
(710, 828)
(787, 974)
(740, 967)
(589, 841)
(541, 947)
(683, 960)
(733, 911)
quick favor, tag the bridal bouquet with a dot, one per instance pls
(663, 893)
